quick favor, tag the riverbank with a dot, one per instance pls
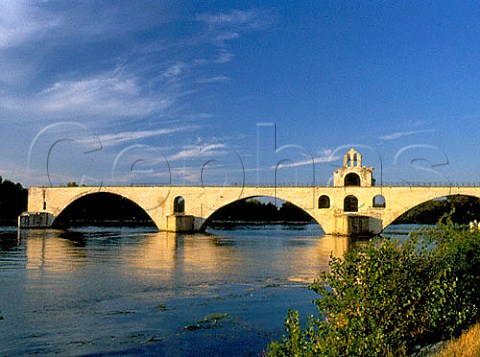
(391, 297)
(467, 345)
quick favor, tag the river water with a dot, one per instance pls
(126, 292)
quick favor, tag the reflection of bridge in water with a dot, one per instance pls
(56, 252)
(352, 206)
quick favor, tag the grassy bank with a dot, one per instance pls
(391, 298)
(467, 345)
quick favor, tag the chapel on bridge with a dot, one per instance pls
(353, 173)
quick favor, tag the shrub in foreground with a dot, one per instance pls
(390, 297)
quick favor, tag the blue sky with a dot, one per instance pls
(226, 92)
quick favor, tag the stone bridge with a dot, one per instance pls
(352, 206)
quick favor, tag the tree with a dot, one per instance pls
(253, 210)
(13, 200)
(290, 212)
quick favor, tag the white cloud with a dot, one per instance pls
(175, 70)
(121, 138)
(26, 20)
(202, 151)
(216, 79)
(111, 94)
(227, 26)
(400, 134)
(19, 22)
(106, 96)
(243, 19)
(224, 57)
(201, 116)
(306, 162)
(222, 37)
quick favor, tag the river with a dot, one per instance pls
(126, 292)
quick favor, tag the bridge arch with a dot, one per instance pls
(102, 208)
(464, 212)
(223, 210)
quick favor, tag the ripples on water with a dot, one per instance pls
(132, 291)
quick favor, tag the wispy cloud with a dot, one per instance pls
(20, 22)
(128, 136)
(306, 162)
(201, 151)
(80, 22)
(400, 134)
(237, 19)
(206, 80)
(224, 57)
(228, 26)
(175, 70)
(109, 94)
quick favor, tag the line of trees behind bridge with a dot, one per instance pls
(466, 209)
(253, 210)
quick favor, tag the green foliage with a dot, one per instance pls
(387, 298)
(74, 184)
(289, 212)
(13, 200)
(460, 248)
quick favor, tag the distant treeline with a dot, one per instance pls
(467, 209)
(253, 210)
(13, 201)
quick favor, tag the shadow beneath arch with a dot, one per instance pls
(258, 212)
(103, 210)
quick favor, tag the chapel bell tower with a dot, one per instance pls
(353, 173)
